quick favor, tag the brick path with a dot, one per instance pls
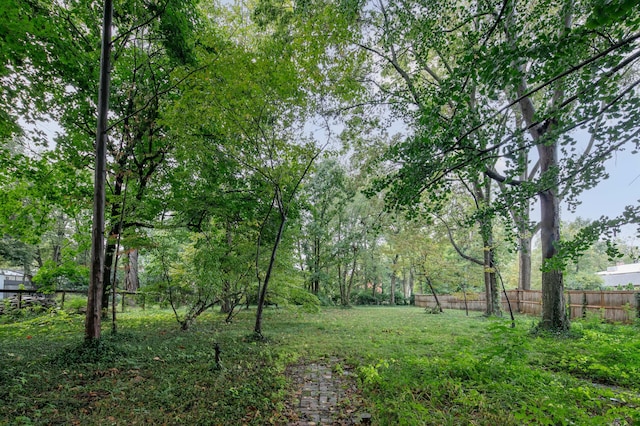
(324, 397)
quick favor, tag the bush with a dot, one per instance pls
(583, 281)
(363, 298)
(400, 299)
(309, 301)
(366, 298)
(68, 275)
(326, 300)
(75, 304)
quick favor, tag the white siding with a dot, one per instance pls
(614, 280)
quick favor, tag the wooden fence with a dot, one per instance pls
(615, 306)
(18, 294)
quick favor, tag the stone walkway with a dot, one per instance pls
(326, 395)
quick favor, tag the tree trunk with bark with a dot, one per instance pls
(272, 261)
(490, 282)
(93, 325)
(394, 277)
(483, 198)
(315, 276)
(226, 303)
(524, 263)
(131, 280)
(554, 313)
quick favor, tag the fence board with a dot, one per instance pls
(614, 306)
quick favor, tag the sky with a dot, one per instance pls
(610, 196)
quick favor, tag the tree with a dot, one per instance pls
(358, 260)
(249, 108)
(549, 114)
(185, 266)
(459, 86)
(28, 32)
(151, 43)
(481, 195)
(94, 300)
(420, 93)
(326, 194)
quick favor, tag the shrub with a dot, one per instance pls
(325, 300)
(400, 299)
(363, 298)
(75, 304)
(68, 275)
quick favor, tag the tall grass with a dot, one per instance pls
(413, 369)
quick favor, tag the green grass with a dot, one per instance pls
(413, 368)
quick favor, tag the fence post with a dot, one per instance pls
(143, 300)
(638, 305)
(19, 299)
(123, 295)
(64, 293)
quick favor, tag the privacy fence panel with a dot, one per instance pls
(615, 306)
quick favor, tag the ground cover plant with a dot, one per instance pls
(412, 368)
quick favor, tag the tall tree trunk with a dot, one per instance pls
(93, 324)
(554, 314)
(412, 284)
(392, 299)
(483, 198)
(406, 289)
(524, 262)
(315, 277)
(347, 300)
(341, 282)
(131, 280)
(57, 245)
(392, 289)
(112, 240)
(226, 304)
(263, 291)
(491, 284)
(525, 234)
(522, 217)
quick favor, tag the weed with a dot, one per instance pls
(413, 368)
(106, 350)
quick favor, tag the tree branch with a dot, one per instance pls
(563, 74)
(502, 179)
(156, 96)
(455, 246)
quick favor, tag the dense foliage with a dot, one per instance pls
(307, 153)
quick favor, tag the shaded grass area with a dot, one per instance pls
(413, 368)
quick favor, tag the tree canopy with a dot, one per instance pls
(308, 152)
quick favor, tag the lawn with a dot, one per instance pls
(413, 368)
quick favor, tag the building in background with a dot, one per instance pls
(621, 275)
(11, 280)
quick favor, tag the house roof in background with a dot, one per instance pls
(621, 269)
(10, 273)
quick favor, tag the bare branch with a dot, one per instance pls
(563, 74)
(455, 246)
